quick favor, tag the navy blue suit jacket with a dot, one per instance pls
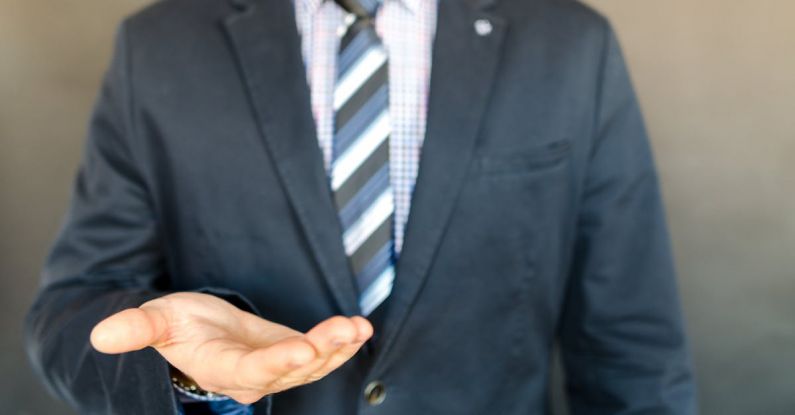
(536, 216)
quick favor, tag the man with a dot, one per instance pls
(240, 239)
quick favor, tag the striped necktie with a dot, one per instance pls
(360, 161)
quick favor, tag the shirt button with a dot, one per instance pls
(375, 393)
(349, 19)
(483, 27)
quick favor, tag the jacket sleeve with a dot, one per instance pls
(622, 336)
(107, 257)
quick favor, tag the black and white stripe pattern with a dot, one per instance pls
(360, 162)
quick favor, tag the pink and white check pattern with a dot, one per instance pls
(406, 28)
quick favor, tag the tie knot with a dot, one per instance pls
(363, 9)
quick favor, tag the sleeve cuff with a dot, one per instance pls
(189, 403)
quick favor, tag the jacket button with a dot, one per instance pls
(374, 393)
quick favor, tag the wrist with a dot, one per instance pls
(185, 385)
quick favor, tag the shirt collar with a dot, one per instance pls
(312, 5)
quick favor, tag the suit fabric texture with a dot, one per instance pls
(536, 218)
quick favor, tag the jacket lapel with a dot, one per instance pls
(463, 69)
(266, 43)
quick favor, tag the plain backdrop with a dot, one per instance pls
(716, 79)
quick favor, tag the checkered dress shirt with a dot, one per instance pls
(406, 28)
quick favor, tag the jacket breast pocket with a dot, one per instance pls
(522, 161)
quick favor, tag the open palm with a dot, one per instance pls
(229, 351)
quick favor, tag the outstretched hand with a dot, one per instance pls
(227, 350)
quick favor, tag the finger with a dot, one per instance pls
(129, 330)
(342, 350)
(364, 332)
(306, 373)
(333, 362)
(330, 335)
(261, 367)
(363, 327)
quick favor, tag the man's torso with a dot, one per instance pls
(227, 146)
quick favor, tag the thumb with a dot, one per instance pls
(129, 330)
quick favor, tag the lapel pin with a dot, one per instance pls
(483, 27)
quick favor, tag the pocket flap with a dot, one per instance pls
(524, 159)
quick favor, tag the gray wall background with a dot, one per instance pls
(716, 79)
